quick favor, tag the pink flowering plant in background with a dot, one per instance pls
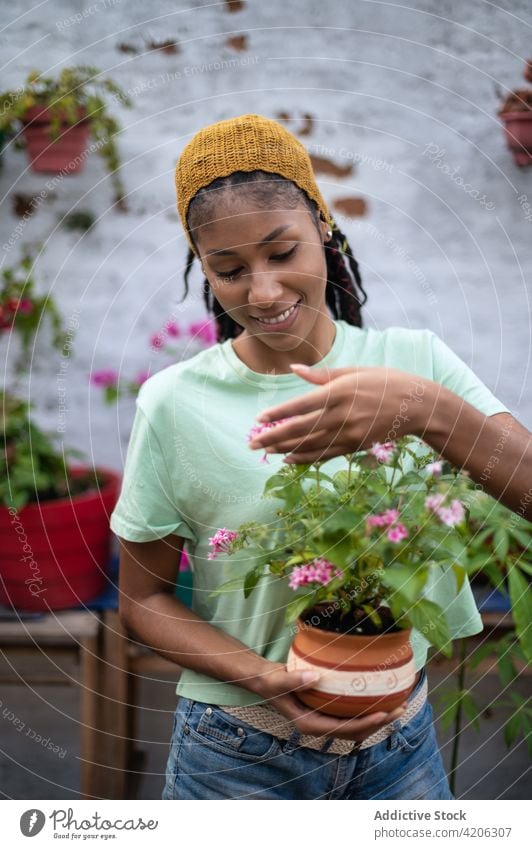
(365, 539)
(173, 341)
(22, 311)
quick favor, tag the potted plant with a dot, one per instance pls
(54, 520)
(516, 114)
(58, 114)
(358, 549)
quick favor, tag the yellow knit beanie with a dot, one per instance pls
(245, 143)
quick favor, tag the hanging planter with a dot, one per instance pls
(359, 674)
(56, 116)
(67, 152)
(54, 553)
(518, 128)
(516, 115)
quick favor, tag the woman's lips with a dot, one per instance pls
(280, 325)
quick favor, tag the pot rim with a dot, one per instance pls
(326, 637)
(517, 115)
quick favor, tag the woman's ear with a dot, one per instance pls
(326, 232)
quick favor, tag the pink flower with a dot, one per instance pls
(171, 328)
(397, 533)
(383, 451)
(382, 520)
(141, 377)
(434, 502)
(204, 330)
(452, 515)
(25, 305)
(435, 468)
(105, 377)
(318, 571)
(157, 341)
(221, 541)
(257, 429)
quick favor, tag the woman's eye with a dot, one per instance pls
(229, 275)
(286, 255)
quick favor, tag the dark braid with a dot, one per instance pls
(344, 293)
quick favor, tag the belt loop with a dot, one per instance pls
(291, 743)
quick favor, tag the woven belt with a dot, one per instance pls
(266, 718)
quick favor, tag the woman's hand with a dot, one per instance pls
(280, 688)
(351, 409)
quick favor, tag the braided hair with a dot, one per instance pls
(344, 293)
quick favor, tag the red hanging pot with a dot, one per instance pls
(518, 131)
(64, 154)
(54, 553)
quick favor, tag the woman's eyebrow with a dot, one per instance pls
(268, 238)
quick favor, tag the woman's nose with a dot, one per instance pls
(263, 288)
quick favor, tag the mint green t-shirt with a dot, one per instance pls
(189, 471)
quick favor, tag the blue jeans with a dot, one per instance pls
(214, 755)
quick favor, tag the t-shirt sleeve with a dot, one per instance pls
(147, 508)
(452, 372)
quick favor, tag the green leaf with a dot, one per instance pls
(430, 620)
(502, 544)
(521, 599)
(340, 481)
(448, 704)
(408, 581)
(523, 538)
(470, 709)
(250, 582)
(512, 729)
(460, 574)
(297, 606)
(412, 478)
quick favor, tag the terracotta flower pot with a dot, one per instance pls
(54, 553)
(359, 674)
(66, 153)
(518, 131)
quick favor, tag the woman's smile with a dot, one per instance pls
(280, 321)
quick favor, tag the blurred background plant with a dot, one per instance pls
(22, 310)
(499, 562)
(76, 95)
(175, 342)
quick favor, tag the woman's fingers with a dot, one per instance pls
(298, 406)
(320, 724)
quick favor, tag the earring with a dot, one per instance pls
(329, 234)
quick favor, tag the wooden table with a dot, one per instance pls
(102, 698)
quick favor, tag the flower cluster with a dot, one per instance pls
(202, 332)
(319, 571)
(9, 309)
(221, 541)
(389, 519)
(450, 515)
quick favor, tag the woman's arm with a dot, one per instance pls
(355, 407)
(147, 606)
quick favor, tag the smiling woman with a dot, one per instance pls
(285, 289)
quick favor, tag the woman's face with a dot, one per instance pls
(267, 269)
